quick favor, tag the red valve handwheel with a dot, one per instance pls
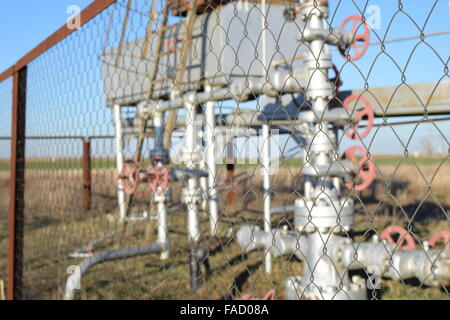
(363, 37)
(129, 177)
(365, 113)
(337, 79)
(367, 168)
(444, 235)
(159, 179)
(405, 241)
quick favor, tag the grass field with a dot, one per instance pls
(109, 163)
(56, 225)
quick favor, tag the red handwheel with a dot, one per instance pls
(159, 179)
(441, 235)
(405, 241)
(366, 171)
(360, 40)
(364, 113)
(129, 177)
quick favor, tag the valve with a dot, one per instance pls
(129, 177)
(405, 241)
(363, 37)
(365, 113)
(367, 168)
(441, 235)
(158, 178)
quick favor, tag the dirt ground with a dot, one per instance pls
(56, 224)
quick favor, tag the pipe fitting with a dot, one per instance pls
(251, 238)
(431, 267)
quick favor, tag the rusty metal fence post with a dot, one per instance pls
(17, 185)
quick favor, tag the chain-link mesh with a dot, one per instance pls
(237, 149)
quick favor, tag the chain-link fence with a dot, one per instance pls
(230, 150)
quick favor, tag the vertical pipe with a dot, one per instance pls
(202, 164)
(87, 188)
(191, 197)
(211, 165)
(17, 184)
(230, 171)
(193, 220)
(204, 185)
(336, 180)
(266, 187)
(264, 38)
(119, 159)
(158, 131)
(163, 228)
(191, 139)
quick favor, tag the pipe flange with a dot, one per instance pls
(337, 169)
(311, 215)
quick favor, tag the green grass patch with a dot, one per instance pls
(109, 163)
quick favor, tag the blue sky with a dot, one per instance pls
(25, 23)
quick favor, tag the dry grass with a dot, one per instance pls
(56, 225)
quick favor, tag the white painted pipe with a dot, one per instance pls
(336, 180)
(203, 183)
(266, 187)
(192, 207)
(199, 97)
(158, 123)
(192, 187)
(163, 228)
(211, 167)
(119, 159)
